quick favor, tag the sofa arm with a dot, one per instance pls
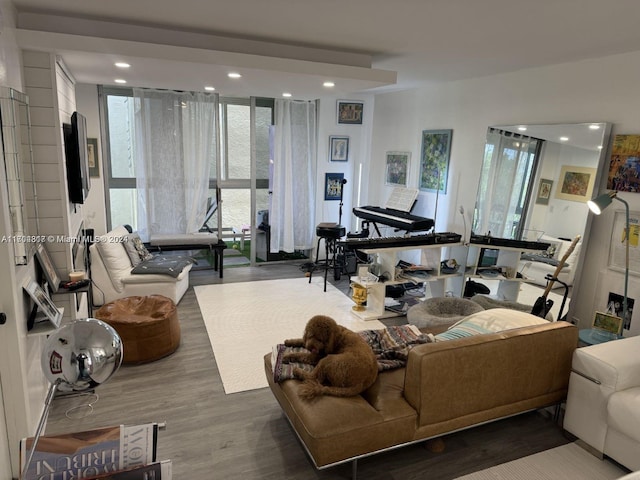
(612, 365)
(597, 372)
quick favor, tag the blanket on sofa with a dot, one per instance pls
(391, 346)
(165, 265)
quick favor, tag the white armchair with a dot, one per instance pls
(112, 278)
(603, 403)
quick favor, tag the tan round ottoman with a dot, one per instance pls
(148, 326)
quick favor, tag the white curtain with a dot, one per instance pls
(294, 166)
(505, 180)
(174, 149)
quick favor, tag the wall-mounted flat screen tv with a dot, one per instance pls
(75, 147)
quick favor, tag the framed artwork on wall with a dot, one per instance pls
(338, 148)
(397, 168)
(92, 157)
(333, 185)
(625, 162)
(350, 112)
(544, 191)
(434, 160)
(575, 183)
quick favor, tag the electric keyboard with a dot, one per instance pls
(391, 242)
(507, 242)
(394, 218)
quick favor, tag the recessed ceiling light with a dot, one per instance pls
(522, 129)
(209, 89)
(594, 127)
(328, 84)
(120, 80)
(234, 75)
(564, 139)
(286, 94)
(122, 65)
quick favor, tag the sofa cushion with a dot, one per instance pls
(111, 249)
(135, 249)
(489, 321)
(623, 412)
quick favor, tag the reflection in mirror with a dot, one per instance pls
(536, 179)
(18, 165)
(534, 185)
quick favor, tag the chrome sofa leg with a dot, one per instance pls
(354, 469)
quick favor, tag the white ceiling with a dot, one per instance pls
(358, 43)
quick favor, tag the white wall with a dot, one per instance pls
(568, 93)
(355, 170)
(94, 209)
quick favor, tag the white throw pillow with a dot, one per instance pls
(499, 319)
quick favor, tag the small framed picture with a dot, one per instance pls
(92, 157)
(338, 149)
(397, 169)
(333, 186)
(350, 112)
(44, 303)
(49, 270)
(608, 323)
(544, 191)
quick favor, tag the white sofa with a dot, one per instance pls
(537, 267)
(603, 403)
(112, 278)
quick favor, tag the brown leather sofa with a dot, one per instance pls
(445, 386)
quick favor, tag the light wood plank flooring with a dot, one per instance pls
(211, 435)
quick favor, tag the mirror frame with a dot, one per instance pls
(16, 149)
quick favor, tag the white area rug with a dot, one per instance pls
(568, 462)
(245, 320)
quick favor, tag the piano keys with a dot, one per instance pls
(409, 241)
(394, 218)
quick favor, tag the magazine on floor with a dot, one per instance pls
(88, 454)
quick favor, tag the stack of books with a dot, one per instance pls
(412, 273)
(117, 453)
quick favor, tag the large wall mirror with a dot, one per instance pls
(19, 171)
(535, 181)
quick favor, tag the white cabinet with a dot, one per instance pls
(429, 256)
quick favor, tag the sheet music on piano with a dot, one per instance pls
(402, 199)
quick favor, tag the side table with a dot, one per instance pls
(593, 336)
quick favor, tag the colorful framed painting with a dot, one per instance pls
(350, 112)
(575, 183)
(625, 162)
(397, 168)
(434, 160)
(544, 191)
(338, 149)
(608, 323)
(333, 186)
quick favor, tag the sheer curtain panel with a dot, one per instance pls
(174, 148)
(294, 167)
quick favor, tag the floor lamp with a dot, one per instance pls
(596, 206)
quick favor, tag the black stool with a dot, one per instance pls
(330, 234)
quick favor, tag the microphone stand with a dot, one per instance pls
(344, 181)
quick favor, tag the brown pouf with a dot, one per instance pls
(148, 326)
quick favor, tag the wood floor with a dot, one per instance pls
(211, 435)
